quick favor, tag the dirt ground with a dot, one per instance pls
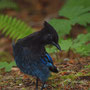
(73, 72)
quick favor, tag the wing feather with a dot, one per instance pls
(30, 65)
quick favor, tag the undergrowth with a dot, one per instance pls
(8, 4)
(74, 12)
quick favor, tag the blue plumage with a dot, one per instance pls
(47, 60)
(31, 66)
(30, 54)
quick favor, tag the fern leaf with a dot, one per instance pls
(79, 44)
(82, 20)
(73, 3)
(66, 44)
(14, 28)
(82, 38)
(73, 12)
(76, 14)
(62, 26)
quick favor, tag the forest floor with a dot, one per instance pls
(73, 71)
(73, 75)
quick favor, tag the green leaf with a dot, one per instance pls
(79, 44)
(83, 19)
(82, 38)
(73, 3)
(78, 14)
(86, 51)
(14, 28)
(7, 66)
(88, 28)
(62, 26)
(66, 44)
(4, 4)
(3, 64)
(74, 13)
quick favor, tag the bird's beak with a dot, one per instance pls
(57, 45)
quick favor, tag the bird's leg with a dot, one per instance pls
(36, 83)
(43, 86)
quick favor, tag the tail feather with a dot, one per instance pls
(53, 69)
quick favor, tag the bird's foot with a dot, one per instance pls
(44, 86)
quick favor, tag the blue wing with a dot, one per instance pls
(47, 60)
(33, 65)
(28, 64)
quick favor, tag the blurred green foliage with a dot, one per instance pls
(13, 27)
(8, 4)
(73, 3)
(5, 61)
(88, 66)
(5, 56)
(7, 66)
(74, 12)
(78, 44)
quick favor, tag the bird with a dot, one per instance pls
(31, 56)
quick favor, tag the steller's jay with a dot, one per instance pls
(30, 54)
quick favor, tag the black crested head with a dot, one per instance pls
(50, 35)
(47, 35)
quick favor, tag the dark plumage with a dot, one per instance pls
(30, 54)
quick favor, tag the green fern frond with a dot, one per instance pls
(66, 44)
(75, 14)
(82, 20)
(14, 28)
(62, 26)
(78, 15)
(82, 38)
(79, 45)
(8, 4)
(73, 3)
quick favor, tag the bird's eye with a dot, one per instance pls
(49, 37)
